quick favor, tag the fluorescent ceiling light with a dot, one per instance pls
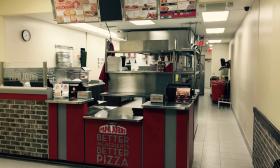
(214, 41)
(142, 22)
(215, 16)
(95, 30)
(215, 30)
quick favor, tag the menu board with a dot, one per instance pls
(75, 11)
(140, 9)
(172, 9)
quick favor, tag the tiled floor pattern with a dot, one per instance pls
(218, 143)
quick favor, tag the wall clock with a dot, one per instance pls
(26, 35)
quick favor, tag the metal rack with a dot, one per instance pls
(191, 54)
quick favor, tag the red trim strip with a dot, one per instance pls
(75, 132)
(53, 132)
(23, 96)
(153, 140)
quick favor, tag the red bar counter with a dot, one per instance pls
(168, 135)
(66, 129)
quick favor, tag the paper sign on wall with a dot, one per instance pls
(75, 11)
(172, 9)
(140, 9)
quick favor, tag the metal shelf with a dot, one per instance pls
(189, 50)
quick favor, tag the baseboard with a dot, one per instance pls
(46, 161)
(242, 132)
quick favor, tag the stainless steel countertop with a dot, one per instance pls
(24, 90)
(169, 106)
(116, 114)
(67, 101)
(122, 94)
(139, 72)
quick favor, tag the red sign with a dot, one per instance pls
(172, 9)
(200, 43)
(112, 146)
(112, 129)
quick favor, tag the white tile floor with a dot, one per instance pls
(218, 143)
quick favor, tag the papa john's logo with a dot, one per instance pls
(112, 129)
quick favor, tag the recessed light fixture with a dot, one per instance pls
(214, 41)
(215, 16)
(95, 30)
(142, 22)
(215, 30)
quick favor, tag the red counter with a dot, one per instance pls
(66, 130)
(168, 135)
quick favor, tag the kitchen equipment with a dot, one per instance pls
(114, 64)
(182, 95)
(172, 91)
(74, 87)
(83, 58)
(84, 95)
(156, 98)
(63, 60)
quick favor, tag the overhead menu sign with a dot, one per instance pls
(75, 11)
(172, 9)
(140, 9)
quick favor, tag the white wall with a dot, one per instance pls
(244, 53)
(219, 51)
(2, 40)
(41, 47)
(96, 49)
(268, 68)
(255, 66)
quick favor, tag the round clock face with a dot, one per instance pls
(26, 35)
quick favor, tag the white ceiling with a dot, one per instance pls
(235, 19)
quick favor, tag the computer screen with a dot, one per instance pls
(110, 10)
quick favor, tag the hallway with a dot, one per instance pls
(219, 142)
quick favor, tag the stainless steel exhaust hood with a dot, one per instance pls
(154, 40)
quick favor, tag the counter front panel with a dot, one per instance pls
(24, 122)
(116, 144)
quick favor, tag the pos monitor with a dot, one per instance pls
(110, 10)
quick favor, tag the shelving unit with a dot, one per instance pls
(191, 71)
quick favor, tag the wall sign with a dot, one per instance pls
(112, 145)
(75, 11)
(140, 9)
(172, 9)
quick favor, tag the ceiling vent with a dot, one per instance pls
(211, 5)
